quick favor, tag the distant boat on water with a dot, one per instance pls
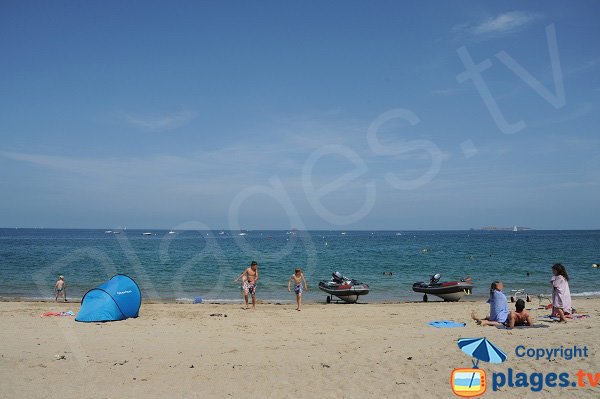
(242, 234)
(221, 232)
(171, 232)
(515, 228)
(146, 234)
(108, 232)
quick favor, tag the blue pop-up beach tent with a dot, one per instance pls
(117, 299)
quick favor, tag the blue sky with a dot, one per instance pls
(259, 114)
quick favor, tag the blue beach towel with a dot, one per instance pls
(445, 324)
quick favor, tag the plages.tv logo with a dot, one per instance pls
(470, 382)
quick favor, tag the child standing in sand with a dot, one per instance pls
(298, 279)
(561, 294)
(60, 288)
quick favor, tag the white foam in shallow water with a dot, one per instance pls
(208, 300)
(213, 300)
(590, 293)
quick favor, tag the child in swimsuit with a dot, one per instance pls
(60, 288)
(298, 279)
(249, 278)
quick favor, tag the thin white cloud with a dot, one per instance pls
(448, 91)
(509, 22)
(162, 123)
(585, 67)
(581, 111)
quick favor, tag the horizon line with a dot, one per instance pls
(486, 228)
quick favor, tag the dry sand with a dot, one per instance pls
(325, 351)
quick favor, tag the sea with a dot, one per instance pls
(185, 266)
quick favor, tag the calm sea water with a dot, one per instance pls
(189, 264)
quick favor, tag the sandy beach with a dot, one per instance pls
(329, 351)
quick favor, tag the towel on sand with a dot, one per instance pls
(445, 324)
(68, 313)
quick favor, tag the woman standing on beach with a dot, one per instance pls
(561, 294)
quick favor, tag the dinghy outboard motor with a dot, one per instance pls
(337, 277)
(435, 278)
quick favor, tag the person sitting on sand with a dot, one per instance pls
(520, 317)
(60, 288)
(298, 279)
(249, 279)
(498, 307)
(561, 294)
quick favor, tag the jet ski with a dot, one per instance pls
(449, 291)
(346, 289)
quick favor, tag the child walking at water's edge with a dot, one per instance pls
(298, 279)
(60, 288)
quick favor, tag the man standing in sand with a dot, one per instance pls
(249, 279)
(60, 288)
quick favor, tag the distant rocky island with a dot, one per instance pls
(496, 228)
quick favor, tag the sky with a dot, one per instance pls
(312, 115)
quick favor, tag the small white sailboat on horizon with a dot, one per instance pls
(515, 228)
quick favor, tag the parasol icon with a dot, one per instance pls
(482, 349)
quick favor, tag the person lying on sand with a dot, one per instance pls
(520, 317)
